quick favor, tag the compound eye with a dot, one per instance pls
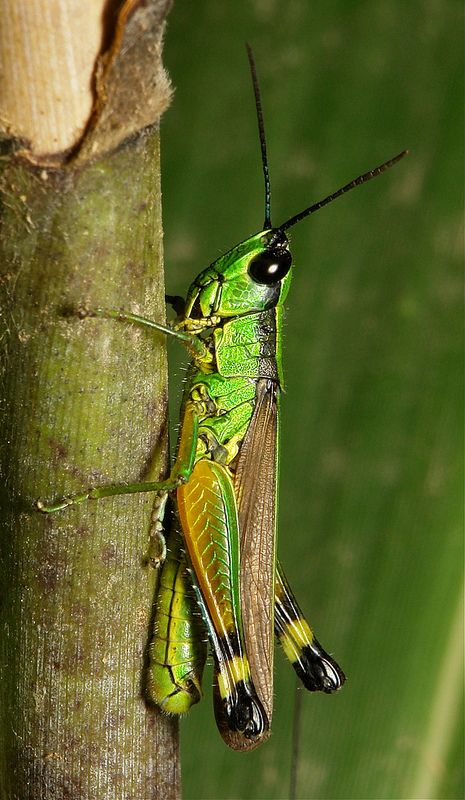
(270, 266)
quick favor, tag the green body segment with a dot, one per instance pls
(178, 649)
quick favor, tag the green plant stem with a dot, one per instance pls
(82, 402)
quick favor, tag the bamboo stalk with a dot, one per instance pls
(82, 401)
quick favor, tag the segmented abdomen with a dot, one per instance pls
(178, 649)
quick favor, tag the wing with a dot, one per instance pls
(255, 488)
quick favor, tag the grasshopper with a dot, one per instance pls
(225, 483)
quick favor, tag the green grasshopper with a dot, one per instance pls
(224, 477)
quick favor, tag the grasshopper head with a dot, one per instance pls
(253, 276)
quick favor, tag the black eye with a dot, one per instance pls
(270, 266)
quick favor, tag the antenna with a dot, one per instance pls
(367, 176)
(261, 133)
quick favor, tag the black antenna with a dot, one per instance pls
(261, 133)
(367, 176)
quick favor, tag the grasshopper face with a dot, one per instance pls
(253, 276)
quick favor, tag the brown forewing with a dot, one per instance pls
(256, 492)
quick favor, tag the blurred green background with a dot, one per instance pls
(370, 508)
